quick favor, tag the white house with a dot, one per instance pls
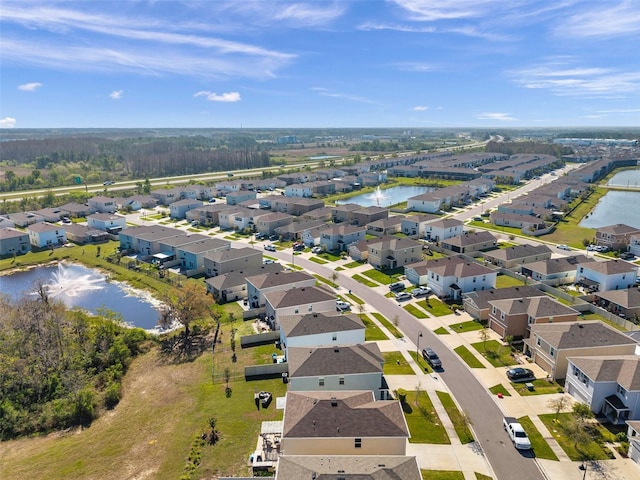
(44, 235)
(260, 284)
(107, 222)
(442, 229)
(180, 208)
(609, 275)
(430, 202)
(304, 190)
(610, 385)
(103, 204)
(633, 434)
(297, 300)
(325, 328)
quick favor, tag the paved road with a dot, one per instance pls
(485, 415)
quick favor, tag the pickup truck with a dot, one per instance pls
(516, 433)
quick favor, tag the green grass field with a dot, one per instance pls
(496, 389)
(496, 354)
(372, 331)
(396, 364)
(468, 357)
(384, 278)
(539, 445)
(423, 421)
(469, 326)
(415, 311)
(441, 475)
(435, 307)
(460, 423)
(388, 325)
(560, 431)
(366, 282)
(540, 387)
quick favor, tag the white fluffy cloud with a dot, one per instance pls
(7, 122)
(116, 94)
(228, 97)
(503, 117)
(29, 87)
(420, 108)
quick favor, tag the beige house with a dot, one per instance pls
(342, 423)
(234, 259)
(349, 466)
(470, 242)
(550, 345)
(394, 252)
(297, 301)
(477, 305)
(513, 256)
(260, 284)
(616, 237)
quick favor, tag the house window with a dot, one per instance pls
(321, 382)
(296, 311)
(310, 307)
(357, 443)
(474, 279)
(501, 315)
(552, 351)
(341, 381)
(530, 320)
(334, 337)
(538, 342)
(493, 310)
(622, 391)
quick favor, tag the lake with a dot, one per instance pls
(615, 207)
(78, 286)
(626, 178)
(386, 197)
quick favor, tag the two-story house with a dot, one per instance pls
(46, 235)
(267, 282)
(511, 257)
(393, 252)
(268, 223)
(314, 329)
(336, 238)
(372, 467)
(297, 300)
(192, 255)
(232, 286)
(607, 275)
(13, 242)
(102, 204)
(180, 208)
(470, 242)
(107, 222)
(615, 237)
(442, 229)
(477, 305)
(385, 226)
(232, 259)
(555, 271)
(416, 225)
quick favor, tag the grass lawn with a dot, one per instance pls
(468, 357)
(353, 264)
(317, 260)
(415, 311)
(539, 445)
(496, 389)
(504, 281)
(497, 354)
(384, 278)
(559, 430)
(540, 387)
(364, 281)
(372, 331)
(442, 475)
(568, 231)
(420, 361)
(481, 476)
(595, 316)
(396, 364)
(355, 298)
(469, 326)
(389, 326)
(460, 423)
(423, 421)
(435, 307)
(329, 257)
(322, 279)
(441, 331)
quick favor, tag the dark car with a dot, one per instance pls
(432, 358)
(395, 286)
(520, 374)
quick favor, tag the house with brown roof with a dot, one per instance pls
(624, 303)
(616, 237)
(338, 367)
(297, 300)
(393, 252)
(366, 215)
(470, 242)
(342, 423)
(607, 275)
(325, 328)
(385, 226)
(298, 467)
(296, 230)
(511, 257)
(442, 229)
(477, 305)
(415, 225)
(336, 238)
(550, 344)
(514, 317)
(343, 213)
(268, 223)
(268, 282)
(610, 385)
(555, 271)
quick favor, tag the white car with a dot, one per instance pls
(340, 305)
(564, 247)
(316, 250)
(270, 248)
(402, 296)
(417, 292)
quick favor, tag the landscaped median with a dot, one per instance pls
(394, 331)
(364, 281)
(459, 420)
(468, 357)
(540, 447)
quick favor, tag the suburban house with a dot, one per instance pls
(429, 202)
(338, 367)
(137, 202)
(551, 344)
(232, 286)
(342, 423)
(511, 257)
(148, 241)
(442, 229)
(323, 214)
(450, 277)
(108, 222)
(77, 210)
(343, 213)
(366, 215)
(268, 282)
(296, 230)
(6, 223)
(514, 317)
(316, 329)
(24, 219)
(102, 204)
(393, 252)
(555, 271)
(607, 275)
(208, 215)
(192, 255)
(311, 236)
(336, 238)
(166, 196)
(51, 214)
(47, 235)
(169, 246)
(13, 242)
(517, 220)
(180, 208)
(81, 234)
(615, 237)
(624, 303)
(235, 198)
(296, 206)
(477, 305)
(268, 223)
(297, 300)
(634, 244)
(385, 226)
(232, 259)
(470, 242)
(633, 434)
(297, 467)
(610, 385)
(416, 225)
(303, 190)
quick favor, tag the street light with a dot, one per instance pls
(418, 346)
(583, 467)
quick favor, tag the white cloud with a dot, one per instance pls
(432, 10)
(116, 94)
(228, 97)
(415, 67)
(7, 122)
(595, 19)
(420, 108)
(29, 87)
(500, 116)
(325, 92)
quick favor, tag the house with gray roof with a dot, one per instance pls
(325, 328)
(24, 219)
(379, 467)
(366, 215)
(336, 238)
(343, 213)
(555, 271)
(610, 385)
(442, 229)
(228, 260)
(615, 237)
(470, 242)
(633, 434)
(13, 242)
(477, 305)
(624, 303)
(342, 423)
(607, 275)
(511, 257)
(81, 234)
(393, 252)
(551, 344)
(296, 230)
(76, 210)
(415, 225)
(192, 255)
(385, 226)
(515, 316)
(179, 208)
(268, 282)
(297, 300)
(338, 367)
(232, 286)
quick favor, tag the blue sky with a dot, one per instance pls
(365, 63)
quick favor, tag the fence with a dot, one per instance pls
(270, 370)
(259, 339)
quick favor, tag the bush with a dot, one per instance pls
(112, 395)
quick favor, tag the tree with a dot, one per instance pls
(558, 405)
(188, 303)
(484, 337)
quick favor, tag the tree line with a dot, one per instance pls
(541, 148)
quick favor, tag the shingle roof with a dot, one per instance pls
(558, 265)
(43, 227)
(455, 265)
(8, 232)
(610, 267)
(617, 229)
(470, 239)
(627, 298)
(233, 279)
(316, 323)
(624, 369)
(361, 467)
(518, 251)
(298, 296)
(481, 298)
(536, 307)
(334, 360)
(232, 254)
(273, 279)
(342, 414)
(589, 334)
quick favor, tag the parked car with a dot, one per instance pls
(627, 255)
(273, 237)
(432, 358)
(66, 220)
(261, 236)
(270, 248)
(402, 296)
(316, 249)
(342, 306)
(520, 374)
(564, 247)
(297, 247)
(418, 292)
(267, 261)
(397, 286)
(108, 182)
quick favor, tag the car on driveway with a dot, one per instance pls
(520, 374)
(402, 296)
(316, 249)
(397, 286)
(432, 358)
(418, 292)
(342, 306)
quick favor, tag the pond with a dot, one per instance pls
(626, 178)
(615, 207)
(78, 286)
(386, 197)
